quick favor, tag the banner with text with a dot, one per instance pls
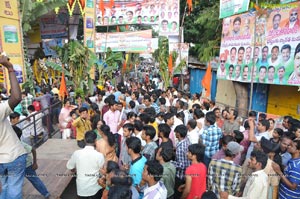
(139, 41)
(164, 12)
(11, 40)
(232, 7)
(89, 24)
(54, 25)
(275, 54)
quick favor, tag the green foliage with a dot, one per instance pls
(31, 11)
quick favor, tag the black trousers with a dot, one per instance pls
(178, 182)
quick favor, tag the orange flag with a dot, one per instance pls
(190, 5)
(63, 87)
(118, 29)
(112, 3)
(206, 81)
(101, 7)
(124, 66)
(170, 64)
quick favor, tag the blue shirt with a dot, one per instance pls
(210, 138)
(292, 172)
(136, 169)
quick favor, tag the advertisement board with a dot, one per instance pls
(138, 41)
(89, 24)
(163, 13)
(273, 49)
(232, 7)
(11, 39)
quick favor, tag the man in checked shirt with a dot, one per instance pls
(181, 161)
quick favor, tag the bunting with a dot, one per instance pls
(71, 6)
(112, 3)
(81, 4)
(101, 7)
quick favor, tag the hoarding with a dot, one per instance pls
(138, 41)
(273, 49)
(232, 7)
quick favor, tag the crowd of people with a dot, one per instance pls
(137, 141)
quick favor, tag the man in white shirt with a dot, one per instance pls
(152, 174)
(193, 134)
(12, 153)
(87, 162)
(257, 184)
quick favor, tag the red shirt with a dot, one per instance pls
(37, 106)
(198, 174)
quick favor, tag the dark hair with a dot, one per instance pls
(164, 129)
(279, 131)
(90, 137)
(238, 136)
(138, 125)
(14, 115)
(209, 195)
(252, 114)
(119, 191)
(31, 108)
(111, 165)
(286, 46)
(130, 115)
(246, 124)
(260, 157)
(145, 118)
(128, 126)
(167, 153)
(198, 113)
(181, 130)
(121, 177)
(162, 101)
(262, 116)
(110, 138)
(149, 131)
(155, 169)
(105, 128)
(226, 139)
(192, 123)
(168, 116)
(297, 49)
(198, 150)
(210, 118)
(131, 104)
(134, 143)
(265, 123)
(237, 19)
(196, 106)
(82, 109)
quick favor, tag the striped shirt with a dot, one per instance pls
(157, 191)
(292, 172)
(210, 138)
(224, 175)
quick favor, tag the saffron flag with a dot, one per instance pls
(206, 81)
(190, 5)
(101, 7)
(170, 64)
(63, 87)
(112, 3)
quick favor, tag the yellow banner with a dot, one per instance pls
(11, 38)
(89, 24)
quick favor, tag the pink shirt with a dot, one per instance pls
(111, 119)
(221, 154)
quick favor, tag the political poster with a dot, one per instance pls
(138, 41)
(11, 39)
(182, 50)
(49, 44)
(164, 13)
(272, 50)
(233, 7)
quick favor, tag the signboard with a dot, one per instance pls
(139, 41)
(232, 7)
(164, 12)
(89, 24)
(54, 25)
(275, 52)
(11, 40)
(287, 1)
